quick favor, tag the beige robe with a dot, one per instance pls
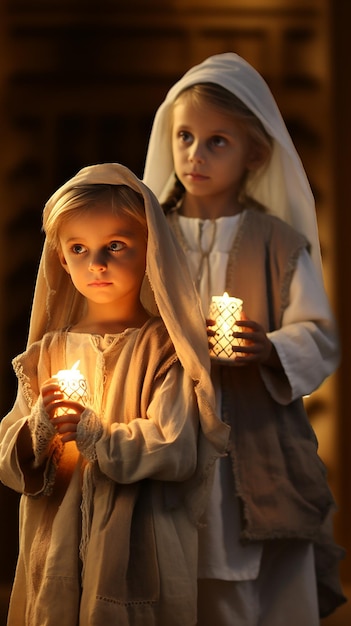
(140, 554)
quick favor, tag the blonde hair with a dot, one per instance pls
(90, 197)
(227, 103)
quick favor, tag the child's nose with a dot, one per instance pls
(196, 153)
(97, 263)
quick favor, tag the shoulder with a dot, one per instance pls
(267, 239)
(154, 345)
(38, 349)
(155, 333)
(270, 227)
(33, 365)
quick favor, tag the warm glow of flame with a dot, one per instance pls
(70, 380)
(73, 385)
(72, 374)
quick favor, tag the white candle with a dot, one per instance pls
(225, 311)
(73, 385)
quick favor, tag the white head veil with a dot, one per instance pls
(57, 304)
(283, 186)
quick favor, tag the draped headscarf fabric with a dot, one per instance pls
(283, 186)
(168, 291)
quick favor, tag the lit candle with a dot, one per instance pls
(73, 385)
(225, 311)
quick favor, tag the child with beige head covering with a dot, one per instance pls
(114, 478)
(222, 163)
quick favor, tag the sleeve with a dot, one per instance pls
(307, 342)
(43, 433)
(47, 448)
(10, 470)
(163, 445)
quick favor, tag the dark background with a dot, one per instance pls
(80, 83)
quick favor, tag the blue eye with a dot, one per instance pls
(116, 246)
(78, 248)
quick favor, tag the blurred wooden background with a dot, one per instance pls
(80, 83)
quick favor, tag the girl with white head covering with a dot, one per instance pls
(222, 163)
(113, 488)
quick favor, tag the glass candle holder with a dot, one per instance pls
(225, 311)
(74, 386)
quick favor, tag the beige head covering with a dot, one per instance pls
(283, 186)
(57, 304)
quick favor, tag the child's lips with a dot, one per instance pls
(196, 176)
(99, 283)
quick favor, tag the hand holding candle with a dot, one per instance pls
(64, 398)
(225, 311)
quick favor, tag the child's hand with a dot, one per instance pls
(210, 331)
(257, 347)
(50, 395)
(53, 399)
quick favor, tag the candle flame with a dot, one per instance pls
(71, 374)
(73, 385)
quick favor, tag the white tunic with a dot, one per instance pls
(221, 554)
